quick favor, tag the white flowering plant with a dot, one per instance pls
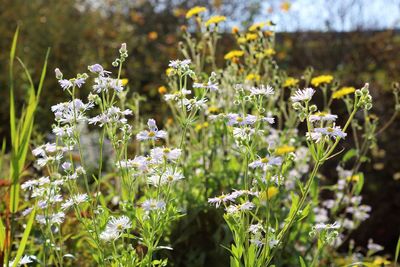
(244, 138)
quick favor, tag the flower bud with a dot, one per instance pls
(58, 73)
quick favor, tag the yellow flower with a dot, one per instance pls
(316, 81)
(269, 52)
(353, 178)
(170, 71)
(380, 261)
(269, 33)
(213, 109)
(233, 54)
(162, 90)
(124, 81)
(253, 77)
(251, 36)
(290, 82)
(284, 149)
(195, 11)
(235, 30)
(285, 6)
(170, 121)
(152, 35)
(200, 126)
(269, 193)
(241, 40)
(257, 26)
(343, 91)
(215, 20)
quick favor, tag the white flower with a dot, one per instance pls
(217, 201)
(374, 247)
(65, 131)
(56, 218)
(158, 154)
(244, 133)
(65, 84)
(317, 137)
(234, 119)
(321, 116)
(103, 84)
(348, 224)
(232, 209)
(262, 90)
(256, 228)
(66, 166)
(266, 162)
(169, 176)
(23, 261)
(303, 95)
(112, 115)
(194, 103)
(30, 184)
(333, 132)
(153, 133)
(153, 204)
(109, 235)
(74, 200)
(115, 227)
(97, 68)
(71, 112)
(322, 226)
(179, 64)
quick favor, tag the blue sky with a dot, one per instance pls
(342, 15)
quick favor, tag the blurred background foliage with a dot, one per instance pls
(83, 32)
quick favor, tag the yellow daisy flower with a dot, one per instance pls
(284, 149)
(269, 193)
(233, 54)
(343, 91)
(195, 11)
(251, 36)
(215, 20)
(269, 52)
(124, 81)
(323, 79)
(290, 82)
(253, 77)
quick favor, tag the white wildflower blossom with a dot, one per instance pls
(322, 116)
(167, 177)
(153, 204)
(153, 133)
(262, 90)
(303, 95)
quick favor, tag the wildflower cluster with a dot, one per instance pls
(244, 138)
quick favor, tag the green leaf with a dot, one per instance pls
(2, 235)
(302, 262)
(25, 237)
(396, 257)
(360, 183)
(349, 154)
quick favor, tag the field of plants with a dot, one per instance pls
(239, 163)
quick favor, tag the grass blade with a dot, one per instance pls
(25, 237)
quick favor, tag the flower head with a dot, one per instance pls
(215, 20)
(153, 133)
(303, 95)
(233, 54)
(323, 79)
(343, 92)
